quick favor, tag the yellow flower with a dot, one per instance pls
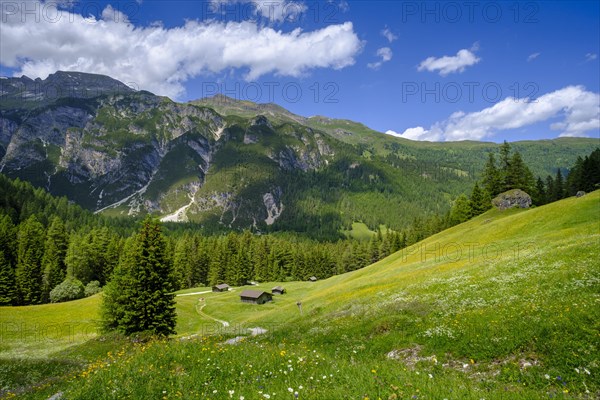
(373, 371)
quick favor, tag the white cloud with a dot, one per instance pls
(273, 10)
(451, 64)
(387, 33)
(385, 54)
(533, 56)
(578, 108)
(161, 60)
(591, 56)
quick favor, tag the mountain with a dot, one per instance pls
(230, 164)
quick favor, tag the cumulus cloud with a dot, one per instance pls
(451, 64)
(591, 56)
(387, 33)
(533, 56)
(385, 54)
(577, 109)
(161, 60)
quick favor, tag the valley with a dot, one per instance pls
(425, 321)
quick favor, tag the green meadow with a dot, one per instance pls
(504, 306)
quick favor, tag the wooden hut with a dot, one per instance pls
(278, 290)
(255, 296)
(223, 287)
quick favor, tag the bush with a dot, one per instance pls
(92, 288)
(69, 289)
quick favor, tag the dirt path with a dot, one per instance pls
(191, 294)
(199, 308)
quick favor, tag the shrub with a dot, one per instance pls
(92, 288)
(69, 289)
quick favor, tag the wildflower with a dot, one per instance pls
(290, 390)
(430, 376)
(231, 392)
(547, 376)
(373, 371)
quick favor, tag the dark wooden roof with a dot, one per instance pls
(253, 294)
(222, 286)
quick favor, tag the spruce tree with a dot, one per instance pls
(540, 196)
(8, 293)
(491, 176)
(549, 189)
(140, 296)
(29, 261)
(559, 186)
(460, 210)
(518, 175)
(53, 262)
(479, 202)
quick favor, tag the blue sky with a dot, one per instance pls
(422, 70)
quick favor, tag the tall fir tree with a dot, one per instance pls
(518, 175)
(558, 191)
(29, 261)
(53, 262)
(140, 296)
(460, 210)
(540, 196)
(8, 292)
(491, 180)
(479, 202)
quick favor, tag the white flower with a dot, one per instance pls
(242, 398)
(266, 396)
(547, 376)
(586, 371)
(290, 390)
(430, 376)
(214, 391)
(300, 387)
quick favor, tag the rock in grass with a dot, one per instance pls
(512, 198)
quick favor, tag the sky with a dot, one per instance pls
(437, 71)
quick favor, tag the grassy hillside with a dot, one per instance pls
(505, 306)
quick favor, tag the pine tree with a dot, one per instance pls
(460, 210)
(53, 262)
(518, 175)
(549, 189)
(540, 196)
(29, 261)
(8, 239)
(559, 187)
(479, 202)
(491, 176)
(139, 297)
(8, 293)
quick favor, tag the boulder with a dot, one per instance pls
(512, 198)
(580, 193)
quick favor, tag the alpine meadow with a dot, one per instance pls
(241, 199)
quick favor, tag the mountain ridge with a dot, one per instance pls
(232, 164)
